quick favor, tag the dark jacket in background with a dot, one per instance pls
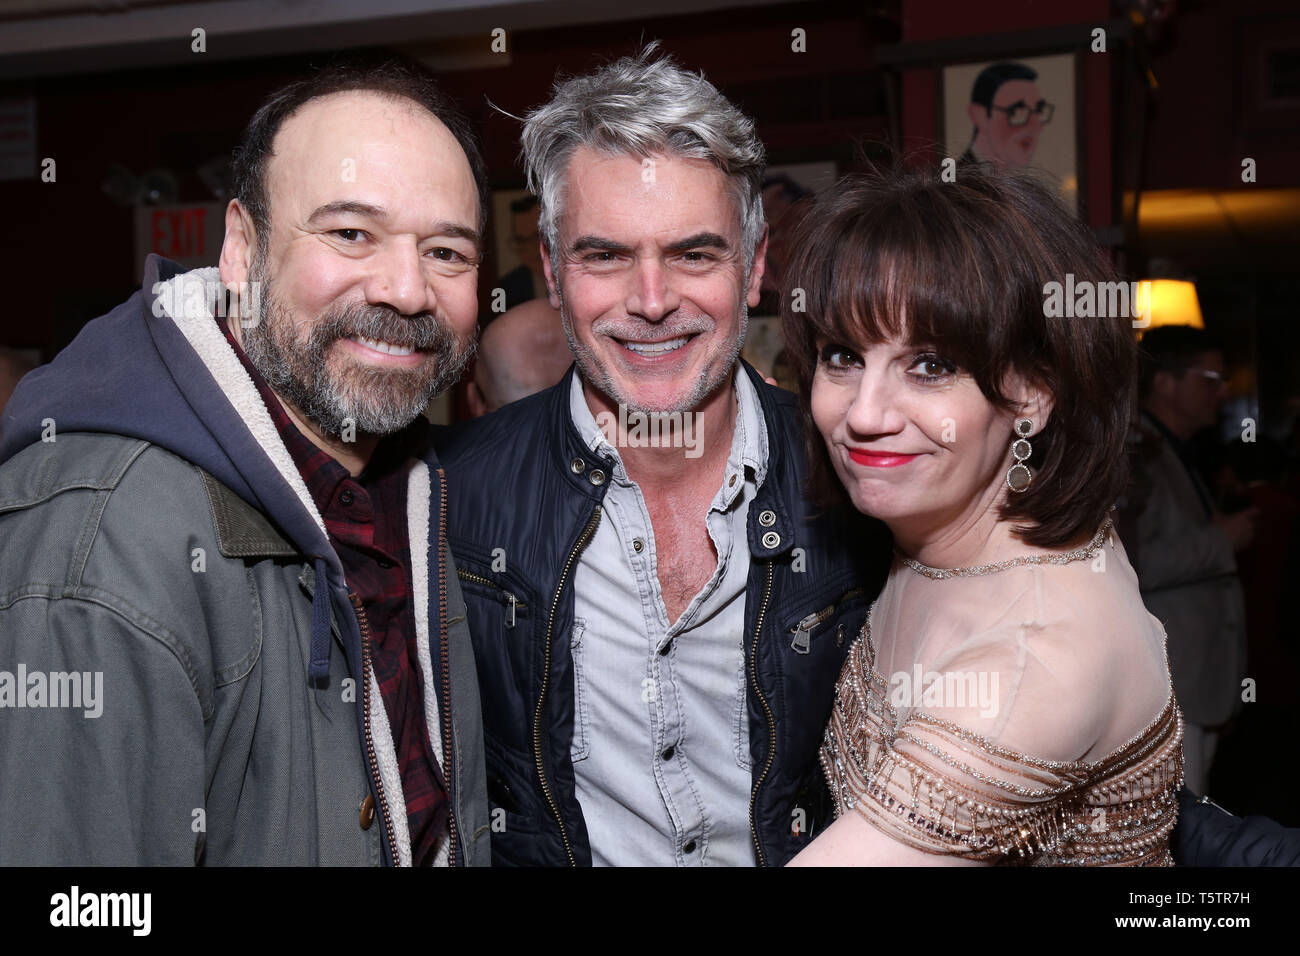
(1188, 575)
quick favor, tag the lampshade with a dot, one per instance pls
(1171, 302)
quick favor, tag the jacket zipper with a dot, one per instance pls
(802, 642)
(447, 765)
(365, 706)
(587, 532)
(512, 602)
(771, 721)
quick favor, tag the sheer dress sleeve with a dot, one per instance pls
(940, 786)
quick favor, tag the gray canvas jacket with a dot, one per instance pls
(183, 678)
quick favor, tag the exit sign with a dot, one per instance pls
(190, 233)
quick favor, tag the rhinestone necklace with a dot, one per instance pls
(1066, 557)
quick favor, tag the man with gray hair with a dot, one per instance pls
(657, 621)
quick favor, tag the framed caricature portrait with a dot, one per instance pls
(1016, 111)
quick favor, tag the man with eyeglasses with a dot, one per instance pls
(1007, 114)
(1185, 547)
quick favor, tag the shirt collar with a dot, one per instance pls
(749, 448)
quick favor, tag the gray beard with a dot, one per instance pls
(374, 400)
(599, 378)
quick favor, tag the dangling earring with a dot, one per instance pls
(1018, 475)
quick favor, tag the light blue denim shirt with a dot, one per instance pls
(661, 737)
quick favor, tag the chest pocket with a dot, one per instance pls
(838, 623)
(513, 608)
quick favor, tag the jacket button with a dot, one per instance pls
(771, 539)
(577, 466)
(367, 812)
(597, 477)
(767, 519)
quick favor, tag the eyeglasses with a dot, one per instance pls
(1018, 112)
(1217, 379)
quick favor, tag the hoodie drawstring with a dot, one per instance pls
(320, 626)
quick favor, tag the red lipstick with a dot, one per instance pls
(879, 459)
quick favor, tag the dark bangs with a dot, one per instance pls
(920, 265)
(960, 268)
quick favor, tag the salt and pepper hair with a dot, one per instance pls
(636, 106)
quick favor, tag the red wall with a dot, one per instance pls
(1199, 124)
(925, 20)
(68, 248)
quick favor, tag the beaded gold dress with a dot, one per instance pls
(965, 719)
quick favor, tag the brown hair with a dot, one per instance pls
(966, 263)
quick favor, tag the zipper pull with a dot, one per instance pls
(1208, 802)
(802, 642)
(510, 610)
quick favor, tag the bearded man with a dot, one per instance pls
(232, 631)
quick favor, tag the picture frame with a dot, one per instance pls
(1052, 80)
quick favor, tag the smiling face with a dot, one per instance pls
(913, 439)
(369, 296)
(652, 281)
(996, 139)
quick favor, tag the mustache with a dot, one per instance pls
(423, 330)
(631, 329)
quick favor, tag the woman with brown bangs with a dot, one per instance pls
(1008, 700)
